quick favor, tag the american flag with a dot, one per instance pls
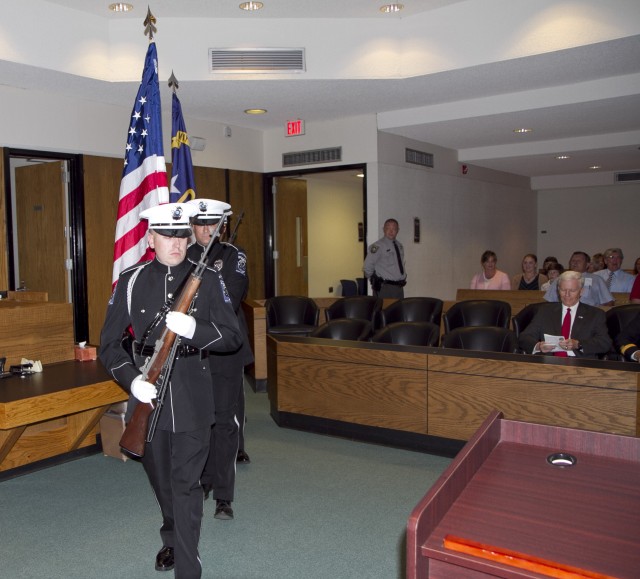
(144, 177)
(183, 186)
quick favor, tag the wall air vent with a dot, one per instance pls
(256, 60)
(632, 177)
(418, 158)
(312, 157)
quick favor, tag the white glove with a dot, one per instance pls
(143, 391)
(181, 324)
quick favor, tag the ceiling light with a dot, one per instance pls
(522, 130)
(361, 175)
(249, 6)
(595, 167)
(562, 157)
(255, 111)
(388, 8)
(120, 7)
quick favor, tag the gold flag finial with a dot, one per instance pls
(150, 25)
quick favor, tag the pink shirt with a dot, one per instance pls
(500, 281)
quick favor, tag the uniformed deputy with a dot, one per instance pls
(227, 370)
(628, 340)
(384, 264)
(174, 459)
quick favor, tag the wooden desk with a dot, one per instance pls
(424, 398)
(500, 491)
(53, 412)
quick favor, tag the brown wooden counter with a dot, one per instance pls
(54, 412)
(418, 397)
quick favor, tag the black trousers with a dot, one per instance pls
(173, 462)
(228, 394)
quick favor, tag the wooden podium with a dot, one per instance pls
(502, 492)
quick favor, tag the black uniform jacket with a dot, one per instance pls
(628, 340)
(589, 328)
(141, 292)
(231, 263)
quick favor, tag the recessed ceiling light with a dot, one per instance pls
(562, 157)
(388, 8)
(120, 7)
(595, 167)
(361, 175)
(249, 6)
(255, 111)
(522, 130)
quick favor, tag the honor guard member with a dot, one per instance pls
(227, 369)
(176, 455)
(384, 264)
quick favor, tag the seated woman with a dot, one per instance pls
(596, 263)
(546, 263)
(490, 277)
(529, 279)
(554, 271)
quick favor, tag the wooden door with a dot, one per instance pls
(41, 221)
(291, 237)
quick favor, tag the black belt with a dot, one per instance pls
(183, 351)
(400, 282)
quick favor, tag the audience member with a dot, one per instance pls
(636, 267)
(614, 276)
(634, 296)
(529, 279)
(553, 272)
(570, 328)
(596, 263)
(490, 277)
(628, 339)
(547, 262)
(594, 291)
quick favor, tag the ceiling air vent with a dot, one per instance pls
(418, 158)
(256, 59)
(632, 177)
(311, 157)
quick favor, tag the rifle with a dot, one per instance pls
(234, 233)
(158, 368)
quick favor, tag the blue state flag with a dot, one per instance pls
(183, 186)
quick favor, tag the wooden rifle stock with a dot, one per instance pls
(135, 434)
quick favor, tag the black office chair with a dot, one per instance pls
(523, 318)
(292, 315)
(362, 286)
(408, 334)
(354, 307)
(343, 329)
(412, 310)
(617, 319)
(349, 287)
(481, 338)
(477, 313)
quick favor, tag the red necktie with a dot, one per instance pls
(566, 329)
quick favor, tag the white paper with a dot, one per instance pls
(555, 340)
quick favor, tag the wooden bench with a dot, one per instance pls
(420, 397)
(53, 412)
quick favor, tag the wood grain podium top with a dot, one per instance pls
(502, 491)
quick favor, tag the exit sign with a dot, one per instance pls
(294, 128)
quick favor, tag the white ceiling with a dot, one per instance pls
(583, 101)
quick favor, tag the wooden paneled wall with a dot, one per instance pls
(102, 185)
(4, 270)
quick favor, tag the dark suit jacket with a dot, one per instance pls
(628, 339)
(589, 328)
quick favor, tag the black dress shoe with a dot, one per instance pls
(164, 559)
(207, 491)
(243, 457)
(223, 510)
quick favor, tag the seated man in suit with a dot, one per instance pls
(582, 329)
(628, 339)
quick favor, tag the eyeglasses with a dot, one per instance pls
(614, 256)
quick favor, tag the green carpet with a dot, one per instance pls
(308, 506)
